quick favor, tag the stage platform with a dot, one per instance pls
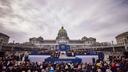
(84, 58)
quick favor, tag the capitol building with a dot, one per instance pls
(62, 38)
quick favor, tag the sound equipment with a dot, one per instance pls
(126, 54)
(2, 53)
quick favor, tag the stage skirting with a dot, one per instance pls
(84, 58)
(38, 58)
(87, 58)
(56, 60)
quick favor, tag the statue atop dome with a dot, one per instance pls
(62, 34)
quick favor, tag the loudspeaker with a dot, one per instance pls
(126, 54)
(2, 54)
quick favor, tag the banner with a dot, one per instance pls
(64, 47)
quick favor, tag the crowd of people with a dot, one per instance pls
(20, 63)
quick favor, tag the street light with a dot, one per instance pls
(0, 46)
(125, 44)
(113, 47)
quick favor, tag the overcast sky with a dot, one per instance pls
(101, 19)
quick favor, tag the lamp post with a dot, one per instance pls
(125, 44)
(0, 46)
(113, 47)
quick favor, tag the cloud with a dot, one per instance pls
(102, 19)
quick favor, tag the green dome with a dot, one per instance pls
(62, 33)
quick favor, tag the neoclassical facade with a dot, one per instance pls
(62, 38)
(122, 39)
(4, 39)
